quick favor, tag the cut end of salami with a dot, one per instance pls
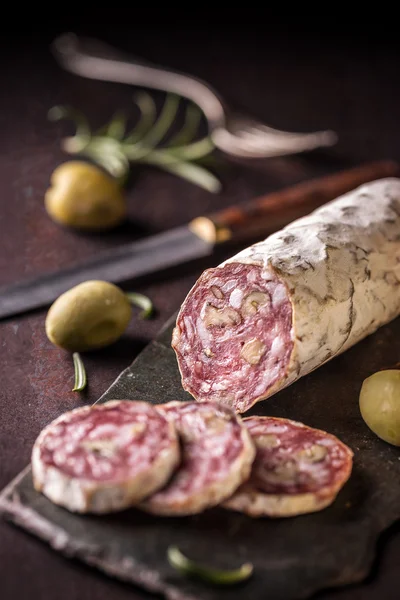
(217, 455)
(105, 457)
(233, 337)
(297, 469)
(285, 306)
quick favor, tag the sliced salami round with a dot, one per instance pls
(297, 469)
(217, 454)
(285, 306)
(106, 457)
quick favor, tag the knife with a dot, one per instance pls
(254, 220)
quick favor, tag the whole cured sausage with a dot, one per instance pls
(284, 306)
(106, 457)
(217, 455)
(297, 469)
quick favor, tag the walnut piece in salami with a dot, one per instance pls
(217, 455)
(106, 457)
(297, 469)
(286, 305)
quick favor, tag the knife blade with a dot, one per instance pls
(198, 239)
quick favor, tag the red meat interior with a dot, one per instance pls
(108, 443)
(291, 441)
(211, 443)
(237, 358)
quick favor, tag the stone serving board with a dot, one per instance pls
(293, 558)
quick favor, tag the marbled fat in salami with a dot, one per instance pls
(284, 306)
(217, 454)
(235, 335)
(105, 457)
(297, 469)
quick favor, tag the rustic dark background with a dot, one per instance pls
(292, 76)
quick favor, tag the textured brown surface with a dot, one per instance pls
(352, 88)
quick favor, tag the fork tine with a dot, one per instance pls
(269, 135)
(328, 136)
(262, 145)
(291, 142)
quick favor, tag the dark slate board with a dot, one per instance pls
(294, 557)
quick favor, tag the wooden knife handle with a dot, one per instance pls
(269, 213)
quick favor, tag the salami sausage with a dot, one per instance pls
(286, 305)
(106, 457)
(217, 455)
(297, 469)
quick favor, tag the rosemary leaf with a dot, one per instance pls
(163, 123)
(115, 162)
(117, 126)
(75, 144)
(107, 153)
(147, 108)
(142, 302)
(191, 172)
(136, 152)
(193, 151)
(208, 574)
(80, 373)
(189, 129)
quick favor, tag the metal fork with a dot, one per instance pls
(233, 133)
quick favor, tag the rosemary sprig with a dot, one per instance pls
(142, 302)
(114, 149)
(117, 127)
(208, 574)
(80, 373)
(188, 131)
(162, 124)
(148, 113)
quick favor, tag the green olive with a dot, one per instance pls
(83, 196)
(91, 315)
(380, 404)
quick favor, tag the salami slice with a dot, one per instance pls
(106, 457)
(284, 306)
(297, 469)
(217, 454)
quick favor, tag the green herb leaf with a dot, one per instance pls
(112, 160)
(117, 126)
(208, 574)
(188, 131)
(163, 123)
(147, 107)
(142, 302)
(80, 373)
(113, 152)
(190, 172)
(193, 151)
